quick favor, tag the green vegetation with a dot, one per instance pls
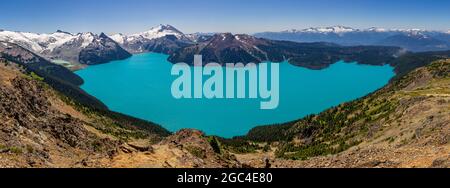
(36, 77)
(240, 145)
(266, 148)
(215, 144)
(408, 62)
(15, 150)
(2, 148)
(12, 149)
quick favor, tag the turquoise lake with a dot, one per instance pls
(141, 86)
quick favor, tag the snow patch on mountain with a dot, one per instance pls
(160, 31)
(333, 29)
(119, 38)
(199, 37)
(41, 43)
(376, 29)
(87, 38)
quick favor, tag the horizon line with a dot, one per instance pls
(249, 33)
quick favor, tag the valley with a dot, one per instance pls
(43, 128)
(50, 119)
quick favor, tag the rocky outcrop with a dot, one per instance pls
(206, 150)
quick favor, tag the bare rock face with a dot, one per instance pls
(207, 150)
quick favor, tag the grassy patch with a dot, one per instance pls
(196, 151)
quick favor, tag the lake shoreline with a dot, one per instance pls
(174, 114)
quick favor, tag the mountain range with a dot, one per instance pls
(78, 50)
(411, 39)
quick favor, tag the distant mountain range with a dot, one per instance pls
(319, 47)
(411, 39)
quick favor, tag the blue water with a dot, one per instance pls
(140, 86)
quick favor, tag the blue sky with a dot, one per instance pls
(237, 16)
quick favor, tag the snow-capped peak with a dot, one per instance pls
(333, 29)
(159, 31)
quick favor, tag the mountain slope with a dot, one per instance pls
(229, 48)
(415, 42)
(102, 50)
(405, 124)
(38, 130)
(60, 78)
